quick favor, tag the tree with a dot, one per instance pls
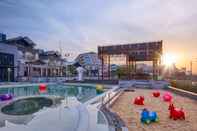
(72, 70)
(122, 72)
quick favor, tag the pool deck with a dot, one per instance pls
(130, 113)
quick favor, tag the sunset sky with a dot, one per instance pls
(82, 25)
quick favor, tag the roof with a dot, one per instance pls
(36, 62)
(146, 51)
(69, 63)
(87, 53)
(47, 53)
(17, 40)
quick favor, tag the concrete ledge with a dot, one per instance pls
(114, 121)
(106, 82)
(143, 84)
(183, 92)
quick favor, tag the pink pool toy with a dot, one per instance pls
(167, 97)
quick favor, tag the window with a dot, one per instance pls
(6, 59)
(6, 67)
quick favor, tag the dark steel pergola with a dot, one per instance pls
(146, 51)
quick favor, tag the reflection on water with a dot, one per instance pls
(26, 106)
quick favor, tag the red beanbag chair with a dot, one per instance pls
(156, 93)
(139, 100)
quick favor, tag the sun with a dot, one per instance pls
(169, 59)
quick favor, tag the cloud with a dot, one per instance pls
(82, 25)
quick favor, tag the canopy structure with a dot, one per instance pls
(146, 51)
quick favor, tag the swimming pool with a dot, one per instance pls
(82, 93)
(54, 109)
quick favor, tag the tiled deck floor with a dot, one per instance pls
(130, 113)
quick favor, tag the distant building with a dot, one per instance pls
(53, 61)
(90, 62)
(47, 65)
(26, 51)
(51, 57)
(144, 68)
(69, 68)
(2, 37)
(8, 62)
(114, 67)
(32, 62)
(26, 47)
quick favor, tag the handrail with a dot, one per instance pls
(110, 99)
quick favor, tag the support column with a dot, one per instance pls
(41, 71)
(129, 69)
(28, 72)
(159, 66)
(155, 65)
(102, 64)
(65, 68)
(61, 71)
(127, 65)
(109, 68)
(47, 72)
(98, 73)
(51, 72)
(133, 69)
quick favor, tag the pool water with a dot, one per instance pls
(32, 110)
(82, 93)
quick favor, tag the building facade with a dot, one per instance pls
(2, 37)
(21, 61)
(8, 62)
(90, 62)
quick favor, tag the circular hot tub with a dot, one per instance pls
(26, 106)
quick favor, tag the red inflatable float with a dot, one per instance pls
(176, 113)
(156, 93)
(42, 88)
(139, 100)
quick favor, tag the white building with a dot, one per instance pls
(34, 63)
(90, 62)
